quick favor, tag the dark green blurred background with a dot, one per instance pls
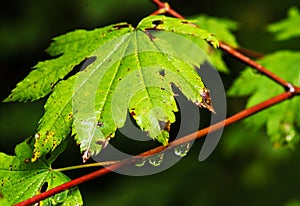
(243, 170)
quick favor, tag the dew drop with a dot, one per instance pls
(182, 150)
(140, 163)
(156, 160)
(61, 197)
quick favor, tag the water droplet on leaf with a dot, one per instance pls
(156, 160)
(140, 163)
(61, 197)
(182, 150)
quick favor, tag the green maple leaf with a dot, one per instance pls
(127, 68)
(281, 121)
(21, 179)
(287, 28)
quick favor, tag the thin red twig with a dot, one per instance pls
(165, 8)
(159, 3)
(260, 68)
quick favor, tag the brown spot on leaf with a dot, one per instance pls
(168, 126)
(206, 101)
(27, 160)
(49, 134)
(132, 112)
(165, 125)
(162, 73)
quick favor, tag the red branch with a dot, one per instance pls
(255, 65)
(165, 8)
